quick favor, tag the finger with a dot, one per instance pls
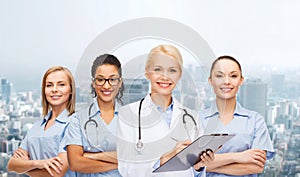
(56, 168)
(259, 163)
(49, 170)
(211, 155)
(17, 155)
(187, 142)
(58, 160)
(205, 158)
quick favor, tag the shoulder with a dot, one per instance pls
(186, 110)
(132, 105)
(251, 114)
(80, 116)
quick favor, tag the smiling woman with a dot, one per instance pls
(153, 130)
(33, 157)
(246, 153)
(90, 139)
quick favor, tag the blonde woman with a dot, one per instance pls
(41, 152)
(152, 130)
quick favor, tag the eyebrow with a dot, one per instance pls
(232, 72)
(166, 67)
(56, 82)
(113, 75)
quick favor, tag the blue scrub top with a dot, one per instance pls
(99, 137)
(250, 129)
(45, 144)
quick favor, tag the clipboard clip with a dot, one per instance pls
(219, 134)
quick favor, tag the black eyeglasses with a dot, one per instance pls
(101, 81)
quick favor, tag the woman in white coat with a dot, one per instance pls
(153, 130)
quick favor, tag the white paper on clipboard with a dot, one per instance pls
(190, 155)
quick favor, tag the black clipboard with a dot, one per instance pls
(190, 155)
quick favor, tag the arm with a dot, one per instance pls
(82, 164)
(20, 163)
(102, 156)
(238, 169)
(44, 173)
(251, 160)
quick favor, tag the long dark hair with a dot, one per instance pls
(110, 60)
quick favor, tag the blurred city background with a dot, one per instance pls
(263, 35)
(275, 95)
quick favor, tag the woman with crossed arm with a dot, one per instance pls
(41, 152)
(90, 139)
(246, 153)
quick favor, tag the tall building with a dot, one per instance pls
(278, 84)
(6, 90)
(253, 95)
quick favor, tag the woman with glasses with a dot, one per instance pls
(246, 153)
(90, 139)
(154, 129)
(41, 152)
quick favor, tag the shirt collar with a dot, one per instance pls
(94, 107)
(239, 111)
(63, 117)
(169, 108)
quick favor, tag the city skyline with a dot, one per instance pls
(282, 117)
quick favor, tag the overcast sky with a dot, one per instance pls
(35, 35)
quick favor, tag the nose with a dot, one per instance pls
(54, 88)
(106, 84)
(164, 73)
(226, 79)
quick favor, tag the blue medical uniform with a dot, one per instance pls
(250, 129)
(99, 137)
(45, 144)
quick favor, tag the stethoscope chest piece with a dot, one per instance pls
(139, 146)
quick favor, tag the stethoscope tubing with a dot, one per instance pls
(139, 144)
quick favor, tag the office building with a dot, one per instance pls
(253, 95)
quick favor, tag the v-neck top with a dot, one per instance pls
(90, 131)
(248, 126)
(45, 144)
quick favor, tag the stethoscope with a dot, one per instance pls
(91, 121)
(140, 145)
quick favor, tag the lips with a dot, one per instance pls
(107, 92)
(164, 84)
(226, 89)
(55, 97)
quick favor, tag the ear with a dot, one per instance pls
(120, 83)
(93, 84)
(242, 80)
(147, 74)
(209, 80)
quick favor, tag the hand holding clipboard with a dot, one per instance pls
(190, 155)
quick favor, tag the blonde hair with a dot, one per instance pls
(166, 49)
(71, 101)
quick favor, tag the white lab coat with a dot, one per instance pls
(155, 135)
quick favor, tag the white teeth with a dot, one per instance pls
(226, 89)
(164, 84)
(106, 93)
